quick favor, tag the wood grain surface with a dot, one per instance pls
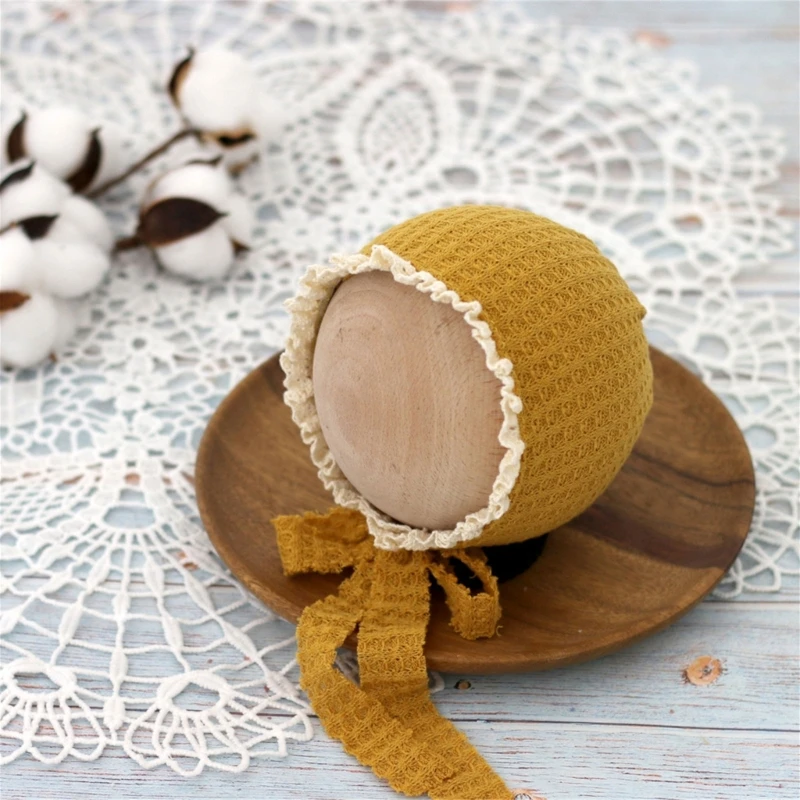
(597, 762)
(650, 548)
(626, 726)
(408, 407)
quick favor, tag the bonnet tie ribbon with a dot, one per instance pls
(389, 722)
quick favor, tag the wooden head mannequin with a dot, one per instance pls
(407, 405)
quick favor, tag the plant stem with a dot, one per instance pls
(143, 161)
(127, 243)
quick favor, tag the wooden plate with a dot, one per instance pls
(652, 546)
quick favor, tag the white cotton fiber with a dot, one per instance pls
(219, 91)
(199, 181)
(69, 264)
(207, 255)
(57, 139)
(18, 269)
(28, 333)
(86, 216)
(40, 194)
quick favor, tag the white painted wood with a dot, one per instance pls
(556, 760)
(644, 684)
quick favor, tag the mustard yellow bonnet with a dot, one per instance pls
(562, 334)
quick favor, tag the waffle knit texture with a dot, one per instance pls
(389, 723)
(570, 325)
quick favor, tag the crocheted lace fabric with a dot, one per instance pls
(120, 627)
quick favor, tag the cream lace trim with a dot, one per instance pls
(306, 310)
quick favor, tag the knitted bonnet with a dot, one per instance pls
(562, 333)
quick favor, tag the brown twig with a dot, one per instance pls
(127, 243)
(160, 150)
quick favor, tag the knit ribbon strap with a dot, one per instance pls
(322, 542)
(474, 616)
(388, 723)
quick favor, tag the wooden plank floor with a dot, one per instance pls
(629, 726)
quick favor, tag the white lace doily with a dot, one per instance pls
(120, 627)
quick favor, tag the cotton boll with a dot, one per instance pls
(70, 269)
(38, 194)
(219, 94)
(28, 333)
(86, 216)
(204, 182)
(18, 269)
(69, 264)
(64, 230)
(194, 222)
(240, 220)
(217, 91)
(65, 142)
(57, 138)
(207, 255)
(41, 194)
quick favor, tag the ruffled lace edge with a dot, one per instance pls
(306, 309)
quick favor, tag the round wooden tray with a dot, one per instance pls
(646, 552)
